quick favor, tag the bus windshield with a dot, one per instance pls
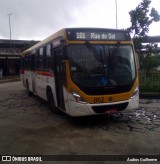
(101, 65)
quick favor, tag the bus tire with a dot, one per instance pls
(29, 93)
(51, 102)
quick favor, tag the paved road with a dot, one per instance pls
(28, 127)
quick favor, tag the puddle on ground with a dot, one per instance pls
(142, 114)
(141, 120)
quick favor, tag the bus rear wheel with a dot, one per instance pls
(51, 103)
(29, 93)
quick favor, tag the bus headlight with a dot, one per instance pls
(135, 93)
(78, 98)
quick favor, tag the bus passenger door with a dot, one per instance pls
(60, 76)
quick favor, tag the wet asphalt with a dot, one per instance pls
(27, 126)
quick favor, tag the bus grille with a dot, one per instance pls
(105, 108)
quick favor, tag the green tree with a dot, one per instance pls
(141, 18)
(151, 57)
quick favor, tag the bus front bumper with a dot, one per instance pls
(86, 109)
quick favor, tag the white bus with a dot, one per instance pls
(83, 71)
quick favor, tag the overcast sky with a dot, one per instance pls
(38, 19)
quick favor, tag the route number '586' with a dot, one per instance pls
(98, 99)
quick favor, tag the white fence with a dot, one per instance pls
(150, 80)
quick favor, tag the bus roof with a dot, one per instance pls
(83, 34)
(45, 41)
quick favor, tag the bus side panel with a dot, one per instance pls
(42, 81)
(40, 85)
(66, 102)
(33, 82)
(134, 103)
(50, 82)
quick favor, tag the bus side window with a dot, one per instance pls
(41, 58)
(27, 61)
(59, 56)
(37, 64)
(44, 58)
(22, 62)
(28, 65)
(49, 59)
(33, 61)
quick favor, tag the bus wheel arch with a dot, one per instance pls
(29, 93)
(51, 101)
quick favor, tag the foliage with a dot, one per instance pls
(141, 18)
(151, 59)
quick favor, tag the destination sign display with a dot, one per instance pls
(97, 35)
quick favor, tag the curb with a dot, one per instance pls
(149, 95)
(2, 81)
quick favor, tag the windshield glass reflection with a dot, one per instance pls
(101, 65)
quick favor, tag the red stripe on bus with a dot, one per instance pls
(21, 71)
(45, 73)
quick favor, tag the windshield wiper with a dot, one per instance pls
(100, 56)
(97, 54)
(92, 49)
(116, 49)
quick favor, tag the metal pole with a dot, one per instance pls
(10, 27)
(116, 15)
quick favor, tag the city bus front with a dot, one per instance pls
(102, 77)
